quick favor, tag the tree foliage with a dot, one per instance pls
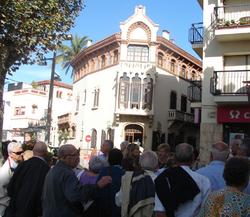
(29, 27)
(33, 26)
(68, 53)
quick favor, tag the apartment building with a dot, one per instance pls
(133, 86)
(223, 42)
(25, 110)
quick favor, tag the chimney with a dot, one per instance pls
(166, 34)
(89, 43)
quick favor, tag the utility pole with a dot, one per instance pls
(50, 100)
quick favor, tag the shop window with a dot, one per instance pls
(173, 100)
(135, 92)
(124, 91)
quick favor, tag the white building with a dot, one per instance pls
(225, 49)
(25, 110)
(133, 86)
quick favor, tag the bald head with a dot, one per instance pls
(40, 149)
(220, 151)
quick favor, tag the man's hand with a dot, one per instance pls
(104, 181)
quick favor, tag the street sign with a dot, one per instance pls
(87, 138)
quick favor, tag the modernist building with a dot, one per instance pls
(225, 48)
(133, 86)
(25, 110)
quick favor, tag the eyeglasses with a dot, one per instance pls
(18, 152)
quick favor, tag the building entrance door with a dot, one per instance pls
(134, 134)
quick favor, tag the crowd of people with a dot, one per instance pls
(126, 182)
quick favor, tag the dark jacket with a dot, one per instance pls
(25, 189)
(63, 195)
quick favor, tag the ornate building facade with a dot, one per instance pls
(133, 86)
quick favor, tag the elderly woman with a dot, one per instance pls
(137, 194)
(231, 201)
(90, 176)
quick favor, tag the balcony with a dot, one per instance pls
(230, 86)
(196, 38)
(175, 115)
(64, 119)
(194, 93)
(232, 22)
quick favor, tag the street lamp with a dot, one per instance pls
(51, 88)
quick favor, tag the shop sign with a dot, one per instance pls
(233, 114)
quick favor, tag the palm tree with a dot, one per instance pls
(67, 53)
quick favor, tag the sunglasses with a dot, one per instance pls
(18, 152)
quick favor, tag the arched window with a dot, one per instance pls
(138, 53)
(115, 56)
(124, 91)
(103, 136)
(193, 75)
(93, 138)
(92, 65)
(103, 61)
(160, 59)
(172, 66)
(147, 92)
(173, 100)
(135, 92)
(183, 71)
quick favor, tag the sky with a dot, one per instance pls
(101, 18)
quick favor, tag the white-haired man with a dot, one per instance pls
(15, 152)
(179, 190)
(214, 170)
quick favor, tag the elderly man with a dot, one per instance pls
(214, 170)
(63, 195)
(15, 152)
(179, 190)
(25, 187)
(106, 147)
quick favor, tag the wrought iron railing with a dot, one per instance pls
(175, 115)
(231, 16)
(196, 33)
(230, 82)
(194, 91)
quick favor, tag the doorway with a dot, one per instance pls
(134, 134)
